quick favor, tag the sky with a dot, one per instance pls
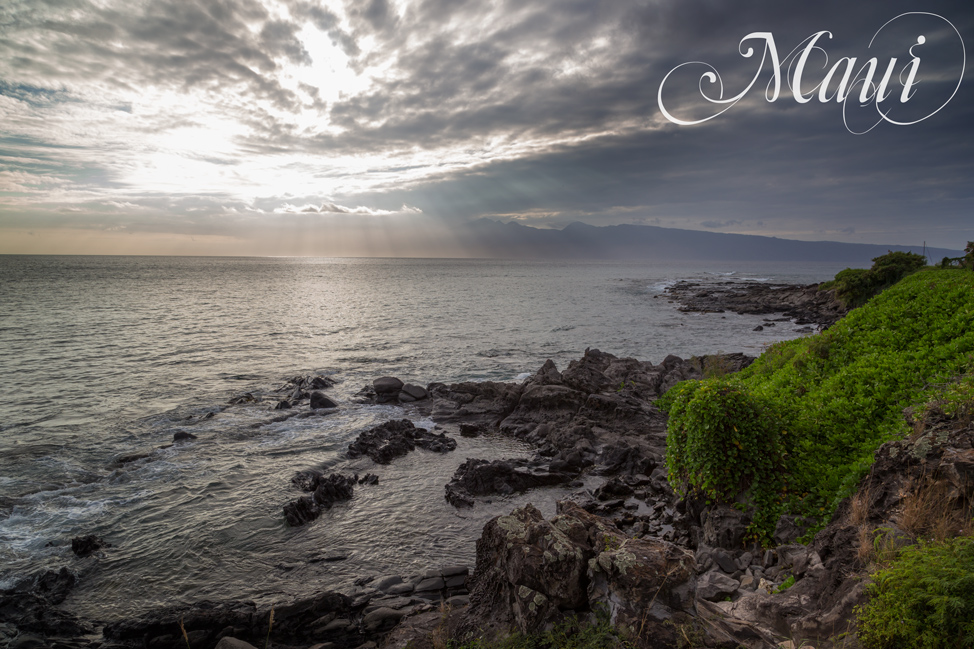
(334, 127)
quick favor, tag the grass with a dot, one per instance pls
(923, 599)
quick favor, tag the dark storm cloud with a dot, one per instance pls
(791, 166)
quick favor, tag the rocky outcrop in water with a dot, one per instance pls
(30, 608)
(395, 438)
(803, 304)
(390, 390)
(84, 546)
(597, 416)
(326, 491)
(297, 390)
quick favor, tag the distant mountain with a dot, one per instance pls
(488, 238)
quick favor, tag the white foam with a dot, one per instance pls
(523, 375)
(660, 287)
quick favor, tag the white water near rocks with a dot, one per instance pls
(106, 356)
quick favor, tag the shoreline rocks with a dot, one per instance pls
(658, 563)
(363, 615)
(806, 305)
(391, 390)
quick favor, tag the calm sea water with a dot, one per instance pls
(104, 356)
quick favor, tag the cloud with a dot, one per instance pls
(176, 111)
(716, 225)
(333, 208)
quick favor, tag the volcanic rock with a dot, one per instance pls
(387, 385)
(480, 478)
(396, 438)
(318, 400)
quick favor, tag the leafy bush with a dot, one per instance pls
(855, 286)
(925, 599)
(839, 395)
(723, 442)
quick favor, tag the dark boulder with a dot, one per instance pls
(531, 571)
(414, 391)
(327, 490)
(614, 488)
(283, 405)
(387, 385)
(319, 383)
(301, 511)
(182, 436)
(318, 400)
(470, 430)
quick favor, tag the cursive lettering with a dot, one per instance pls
(840, 82)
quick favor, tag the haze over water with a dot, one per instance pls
(106, 356)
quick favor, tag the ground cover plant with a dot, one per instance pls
(796, 431)
(925, 599)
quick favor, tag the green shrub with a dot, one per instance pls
(729, 446)
(925, 599)
(855, 286)
(839, 395)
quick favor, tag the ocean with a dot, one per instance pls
(102, 357)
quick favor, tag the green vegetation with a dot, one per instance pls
(796, 431)
(855, 286)
(786, 584)
(967, 261)
(571, 633)
(724, 441)
(925, 599)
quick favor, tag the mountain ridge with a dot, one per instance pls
(578, 240)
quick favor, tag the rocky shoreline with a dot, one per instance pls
(805, 305)
(665, 568)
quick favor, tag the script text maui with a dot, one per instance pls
(869, 82)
